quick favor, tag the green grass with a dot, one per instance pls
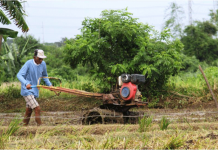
(174, 142)
(12, 90)
(193, 84)
(164, 122)
(145, 123)
(187, 84)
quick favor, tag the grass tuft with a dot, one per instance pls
(145, 123)
(174, 142)
(164, 123)
(12, 128)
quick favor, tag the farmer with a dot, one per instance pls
(28, 75)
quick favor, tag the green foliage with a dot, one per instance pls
(144, 123)
(27, 44)
(189, 63)
(153, 103)
(212, 76)
(116, 43)
(9, 57)
(16, 54)
(193, 84)
(164, 123)
(8, 33)
(55, 64)
(199, 41)
(88, 87)
(2, 73)
(3, 18)
(187, 84)
(15, 11)
(11, 92)
(214, 16)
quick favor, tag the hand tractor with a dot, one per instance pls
(116, 105)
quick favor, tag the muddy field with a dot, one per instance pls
(76, 117)
(188, 129)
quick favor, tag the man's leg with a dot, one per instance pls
(27, 116)
(37, 116)
(33, 104)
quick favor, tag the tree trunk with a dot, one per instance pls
(1, 43)
(208, 85)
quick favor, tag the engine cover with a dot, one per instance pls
(128, 91)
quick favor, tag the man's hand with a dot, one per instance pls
(28, 86)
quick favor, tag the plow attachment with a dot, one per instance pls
(76, 92)
(72, 91)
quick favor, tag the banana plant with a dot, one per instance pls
(13, 56)
(4, 33)
(14, 11)
(8, 58)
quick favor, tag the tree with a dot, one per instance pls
(116, 43)
(214, 17)
(29, 42)
(174, 15)
(198, 40)
(16, 13)
(55, 65)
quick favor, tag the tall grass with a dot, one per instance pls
(82, 83)
(187, 84)
(193, 84)
(12, 90)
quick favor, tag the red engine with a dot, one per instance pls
(130, 85)
(128, 91)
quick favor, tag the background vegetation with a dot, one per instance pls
(117, 43)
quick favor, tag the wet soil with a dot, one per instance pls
(70, 111)
(56, 118)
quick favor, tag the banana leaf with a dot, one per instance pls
(8, 33)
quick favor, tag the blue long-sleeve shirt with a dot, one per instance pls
(29, 74)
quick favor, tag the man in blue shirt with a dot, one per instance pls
(28, 75)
